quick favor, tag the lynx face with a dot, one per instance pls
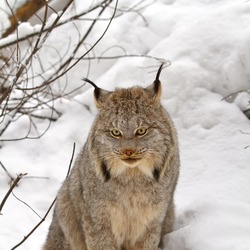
(133, 132)
(133, 143)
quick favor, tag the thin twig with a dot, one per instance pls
(33, 230)
(7, 172)
(27, 205)
(50, 207)
(65, 64)
(14, 184)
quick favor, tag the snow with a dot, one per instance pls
(208, 43)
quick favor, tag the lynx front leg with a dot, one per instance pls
(69, 224)
(150, 240)
(98, 235)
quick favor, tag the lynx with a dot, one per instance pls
(119, 195)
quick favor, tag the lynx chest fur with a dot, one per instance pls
(119, 195)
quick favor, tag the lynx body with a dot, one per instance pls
(119, 195)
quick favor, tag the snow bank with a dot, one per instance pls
(208, 43)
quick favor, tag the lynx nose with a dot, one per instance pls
(128, 151)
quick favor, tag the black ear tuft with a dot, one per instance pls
(157, 82)
(158, 75)
(99, 94)
(155, 87)
(97, 90)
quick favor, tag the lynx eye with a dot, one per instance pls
(141, 131)
(116, 133)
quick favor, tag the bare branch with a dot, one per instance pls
(30, 83)
(14, 184)
(64, 67)
(60, 23)
(34, 229)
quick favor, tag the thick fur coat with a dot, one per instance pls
(119, 195)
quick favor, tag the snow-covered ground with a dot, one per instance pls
(208, 44)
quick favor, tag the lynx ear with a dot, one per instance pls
(100, 95)
(155, 87)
